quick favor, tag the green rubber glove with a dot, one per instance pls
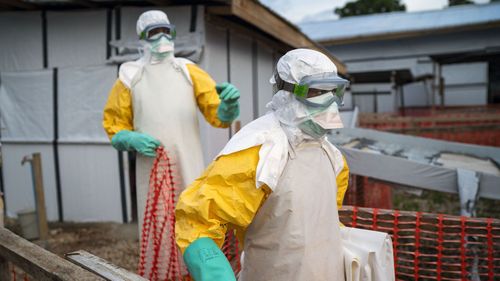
(206, 262)
(229, 107)
(130, 140)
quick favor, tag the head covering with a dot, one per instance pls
(150, 18)
(292, 67)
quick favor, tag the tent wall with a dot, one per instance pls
(244, 61)
(76, 38)
(265, 67)
(57, 111)
(21, 47)
(215, 62)
(89, 177)
(19, 192)
(54, 82)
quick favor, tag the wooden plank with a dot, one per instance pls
(102, 267)
(39, 263)
(43, 228)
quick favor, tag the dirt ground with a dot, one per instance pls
(116, 243)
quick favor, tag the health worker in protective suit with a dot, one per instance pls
(154, 103)
(278, 184)
(155, 100)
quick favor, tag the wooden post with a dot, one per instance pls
(36, 165)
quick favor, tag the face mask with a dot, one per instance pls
(330, 118)
(312, 129)
(161, 46)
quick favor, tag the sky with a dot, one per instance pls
(307, 10)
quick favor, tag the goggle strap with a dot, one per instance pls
(297, 89)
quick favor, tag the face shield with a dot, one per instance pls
(317, 90)
(155, 32)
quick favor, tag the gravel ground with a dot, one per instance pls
(116, 243)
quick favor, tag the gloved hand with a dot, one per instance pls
(130, 140)
(206, 262)
(229, 107)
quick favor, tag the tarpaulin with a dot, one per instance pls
(26, 106)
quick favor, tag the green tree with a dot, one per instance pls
(459, 2)
(366, 7)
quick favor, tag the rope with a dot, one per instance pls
(159, 256)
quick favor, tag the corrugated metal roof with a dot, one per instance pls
(400, 22)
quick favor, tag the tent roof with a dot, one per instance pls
(403, 24)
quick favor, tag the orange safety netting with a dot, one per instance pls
(159, 257)
(426, 246)
(469, 124)
(434, 246)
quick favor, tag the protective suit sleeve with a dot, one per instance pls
(223, 198)
(206, 95)
(342, 183)
(118, 114)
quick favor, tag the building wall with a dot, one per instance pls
(68, 80)
(465, 83)
(247, 63)
(65, 77)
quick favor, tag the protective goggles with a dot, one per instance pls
(309, 87)
(155, 32)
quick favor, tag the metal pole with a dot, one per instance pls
(441, 85)
(433, 88)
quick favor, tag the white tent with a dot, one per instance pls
(57, 67)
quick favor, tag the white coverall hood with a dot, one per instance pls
(150, 18)
(292, 67)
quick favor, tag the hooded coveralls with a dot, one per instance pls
(289, 226)
(162, 100)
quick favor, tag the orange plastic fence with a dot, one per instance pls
(426, 246)
(475, 125)
(434, 246)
